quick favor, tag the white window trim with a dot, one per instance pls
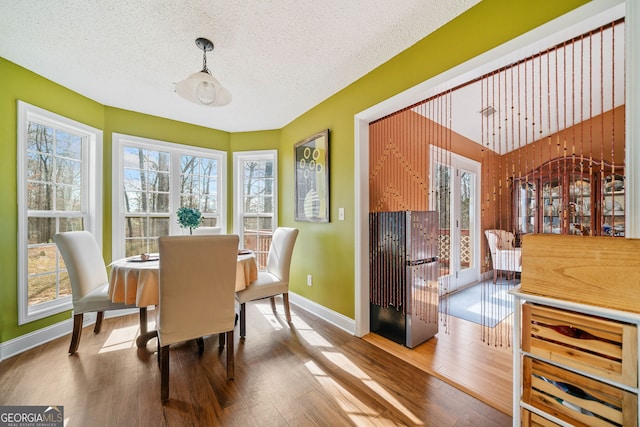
(238, 206)
(92, 156)
(176, 150)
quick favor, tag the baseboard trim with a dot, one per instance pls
(338, 320)
(34, 339)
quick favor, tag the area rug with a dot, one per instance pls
(484, 303)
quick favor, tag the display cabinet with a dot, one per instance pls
(567, 197)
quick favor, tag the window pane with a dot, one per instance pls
(39, 166)
(40, 230)
(198, 183)
(42, 289)
(68, 145)
(159, 203)
(39, 196)
(71, 224)
(68, 171)
(40, 138)
(69, 198)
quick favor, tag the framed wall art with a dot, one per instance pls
(312, 178)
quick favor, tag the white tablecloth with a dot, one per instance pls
(137, 282)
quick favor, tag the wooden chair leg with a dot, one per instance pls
(221, 339)
(242, 320)
(98, 325)
(495, 276)
(230, 356)
(164, 373)
(285, 302)
(77, 332)
(200, 342)
(273, 303)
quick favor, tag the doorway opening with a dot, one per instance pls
(513, 157)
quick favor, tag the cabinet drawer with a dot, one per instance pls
(575, 398)
(600, 347)
(531, 419)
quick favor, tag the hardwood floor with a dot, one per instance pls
(309, 374)
(463, 360)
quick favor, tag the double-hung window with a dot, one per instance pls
(59, 189)
(256, 190)
(151, 180)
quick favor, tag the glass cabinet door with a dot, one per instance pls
(613, 205)
(579, 206)
(551, 202)
(526, 208)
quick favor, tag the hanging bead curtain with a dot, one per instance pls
(551, 148)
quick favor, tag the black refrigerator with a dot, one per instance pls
(403, 275)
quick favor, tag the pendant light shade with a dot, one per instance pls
(201, 87)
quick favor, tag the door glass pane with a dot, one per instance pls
(467, 197)
(443, 193)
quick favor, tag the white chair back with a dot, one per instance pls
(197, 286)
(280, 252)
(83, 259)
(207, 231)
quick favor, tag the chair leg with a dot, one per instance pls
(285, 302)
(77, 332)
(495, 276)
(98, 325)
(164, 373)
(243, 323)
(200, 342)
(221, 339)
(273, 303)
(230, 356)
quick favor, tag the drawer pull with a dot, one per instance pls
(574, 391)
(571, 332)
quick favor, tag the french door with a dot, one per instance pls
(456, 186)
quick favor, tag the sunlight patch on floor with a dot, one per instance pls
(121, 338)
(267, 312)
(348, 366)
(349, 403)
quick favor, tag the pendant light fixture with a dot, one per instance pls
(201, 87)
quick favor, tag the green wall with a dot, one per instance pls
(324, 250)
(329, 249)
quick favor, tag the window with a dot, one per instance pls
(255, 189)
(59, 189)
(151, 180)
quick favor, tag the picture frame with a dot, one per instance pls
(312, 178)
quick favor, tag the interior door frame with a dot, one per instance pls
(577, 21)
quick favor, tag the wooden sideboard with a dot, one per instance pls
(575, 326)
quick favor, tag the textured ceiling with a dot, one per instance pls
(278, 58)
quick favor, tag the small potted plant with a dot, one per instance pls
(189, 218)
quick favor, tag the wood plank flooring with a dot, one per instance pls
(463, 360)
(311, 374)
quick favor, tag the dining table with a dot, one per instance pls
(135, 280)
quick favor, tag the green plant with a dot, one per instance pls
(189, 218)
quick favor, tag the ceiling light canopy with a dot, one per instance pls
(201, 87)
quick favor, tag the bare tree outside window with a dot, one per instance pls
(54, 203)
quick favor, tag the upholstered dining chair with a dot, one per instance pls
(273, 281)
(197, 285)
(89, 282)
(206, 231)
(504, 256)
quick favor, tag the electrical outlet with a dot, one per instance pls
(309, 280)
